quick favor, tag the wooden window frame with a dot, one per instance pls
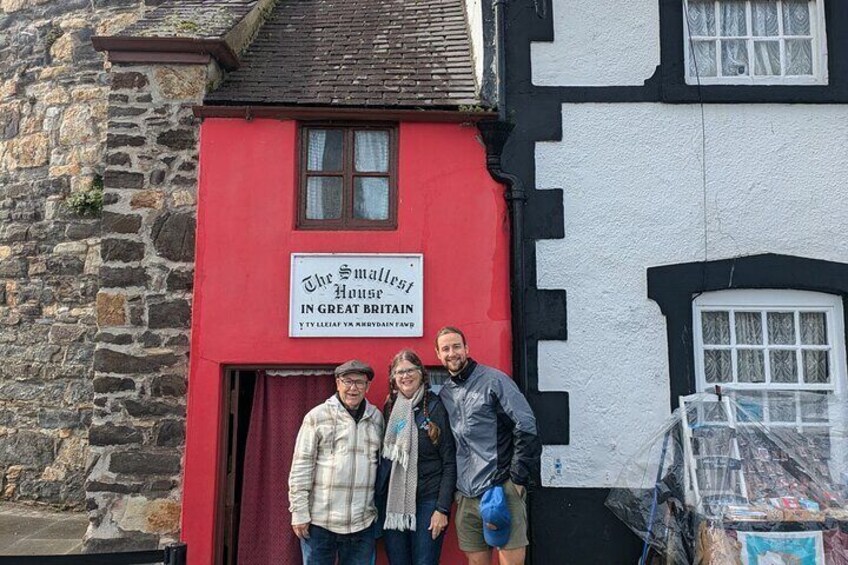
(347, 174)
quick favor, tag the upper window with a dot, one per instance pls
(755, 42)
(348, 178)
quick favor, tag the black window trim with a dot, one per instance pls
(673, 287)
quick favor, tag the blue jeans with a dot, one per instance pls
(323, 546)
(418, 547)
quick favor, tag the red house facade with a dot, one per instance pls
(246, 234)
(305, 152)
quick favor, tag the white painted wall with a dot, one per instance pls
(599, 43)
(634, 198)
(474, 17)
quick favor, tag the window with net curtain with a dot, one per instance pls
(773, 347)
(347, 178)
(755, 42)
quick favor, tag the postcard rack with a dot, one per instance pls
(713, 465)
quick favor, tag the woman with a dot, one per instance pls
(419, 449)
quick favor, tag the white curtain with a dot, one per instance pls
(749, 328)
(715, 328)
(781, 328)
(814, 332)
(784, 366)
(796, 17)
(701, 18)
(750, 365)
(701, 22)
(734, 52)
(799, 57)
(314, 194)
(813, 328)
(371, 194)
(799, 52)
(372, 151)
(324, 194)
(764, 18)
(766, 58)
(702, 61)
(783, 362)
(717, 366)
(765, 23)
(733, 18)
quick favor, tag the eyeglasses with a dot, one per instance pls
(401, 373)
(349, 383)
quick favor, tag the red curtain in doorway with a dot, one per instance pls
(279, 405)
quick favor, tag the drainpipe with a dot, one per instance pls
(495, 135)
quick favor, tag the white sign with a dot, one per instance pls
(356, 295)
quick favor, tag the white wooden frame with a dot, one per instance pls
(694, 494)
(818, 35)
(773, 301)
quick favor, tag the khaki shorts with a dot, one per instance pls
(469, 524)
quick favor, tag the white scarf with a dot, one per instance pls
(401, 447)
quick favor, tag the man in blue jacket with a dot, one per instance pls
(496, 444)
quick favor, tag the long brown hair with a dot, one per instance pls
(433, 430)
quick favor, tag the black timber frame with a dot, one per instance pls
(578, 516)
(673, 287)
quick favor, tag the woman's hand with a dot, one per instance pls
(438, 524)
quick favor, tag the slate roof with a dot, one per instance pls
(197, 19)
(365, 53)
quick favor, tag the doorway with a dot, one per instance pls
(264, 408)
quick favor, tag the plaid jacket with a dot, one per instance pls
(334, 468)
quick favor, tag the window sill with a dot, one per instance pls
(749, 94)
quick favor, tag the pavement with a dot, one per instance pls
(25, 530)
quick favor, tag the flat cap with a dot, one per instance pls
(355, 366)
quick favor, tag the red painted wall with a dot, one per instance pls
(449, 209)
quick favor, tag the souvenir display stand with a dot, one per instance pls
(731, 480)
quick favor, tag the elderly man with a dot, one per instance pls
(331, 484)
(496, 445)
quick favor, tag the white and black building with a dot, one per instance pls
(685, 164)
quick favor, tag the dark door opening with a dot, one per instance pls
(263, 409)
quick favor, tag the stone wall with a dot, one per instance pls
(143, 305)
(53, 106)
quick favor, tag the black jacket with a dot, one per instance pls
(436, 463)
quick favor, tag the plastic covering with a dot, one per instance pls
(751, 478)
